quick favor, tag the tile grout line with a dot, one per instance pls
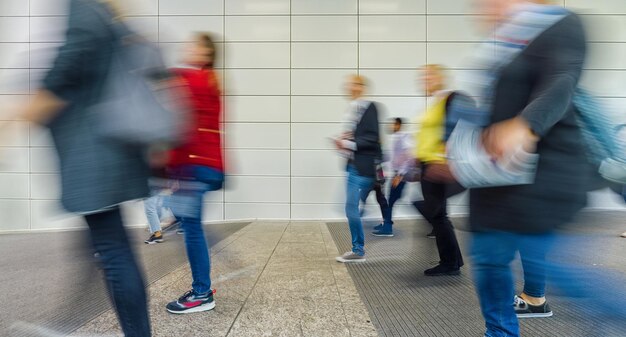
(335, 278)
(257, 280)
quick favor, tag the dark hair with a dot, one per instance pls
(398, 120)
(206, 41)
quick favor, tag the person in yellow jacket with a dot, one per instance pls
(437, 183)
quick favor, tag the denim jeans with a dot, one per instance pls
(394, 195)
(187, 204)
(153, 207)
(492, 253)
(355, 185)
(124, 279)
(533, 263)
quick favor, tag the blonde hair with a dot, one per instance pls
(438, 68)
(440, 71)
(360, 79)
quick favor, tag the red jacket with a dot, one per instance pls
(203, 145)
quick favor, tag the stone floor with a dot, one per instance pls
(271, 279)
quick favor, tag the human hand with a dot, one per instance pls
(507, 136)
(339, 144)
(396, 181)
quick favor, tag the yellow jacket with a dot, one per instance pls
(431, 147)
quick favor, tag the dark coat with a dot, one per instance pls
(367, 138)
(538, 85)
(95, 173)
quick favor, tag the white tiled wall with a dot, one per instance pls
(282, 64)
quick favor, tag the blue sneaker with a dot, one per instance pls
(192, 302)
(378, 227)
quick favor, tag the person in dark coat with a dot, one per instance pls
(528, 89)
(96, 175)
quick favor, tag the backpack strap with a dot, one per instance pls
(449, 100)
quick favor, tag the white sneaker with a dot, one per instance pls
(623, 235)
(350, 257)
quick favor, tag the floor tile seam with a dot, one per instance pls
(236, 236)
(243, 305)
(345, 315)
(181, 270)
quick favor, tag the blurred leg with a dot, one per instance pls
(152, 208)
(533, 250)
(435, 205)
(492, 254)
(122, 274)
(354, 187)
(197, 247)
(382, 202)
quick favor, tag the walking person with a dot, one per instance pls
(401, 162)
(157, 212)
(198, 166)
(97, 175)
(361, 144)
(526, 93)
(436, 183)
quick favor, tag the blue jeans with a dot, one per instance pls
(153, 207)
(124, 279)
(355, 185)
(394, 195)
(492, 254)
(186, 204)
(534, 270)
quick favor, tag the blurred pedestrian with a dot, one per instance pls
(437, 182)
(360, 142)
(401, 162)
(197, 165)
(97, 175)
(527, 90)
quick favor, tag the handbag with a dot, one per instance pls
(140, 102)
(414, 173)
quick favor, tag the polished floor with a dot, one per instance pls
(403, 302)
(276, 278)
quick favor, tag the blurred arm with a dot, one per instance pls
(561, 64)
(75, 60)
(42, 108)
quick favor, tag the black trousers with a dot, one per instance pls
(434, 209)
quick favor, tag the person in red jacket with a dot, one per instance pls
(197, 165)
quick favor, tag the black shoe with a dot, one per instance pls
(154, 239)
(525, 310)
(431, 235)
(442, 270)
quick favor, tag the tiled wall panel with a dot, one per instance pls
(282, 65)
